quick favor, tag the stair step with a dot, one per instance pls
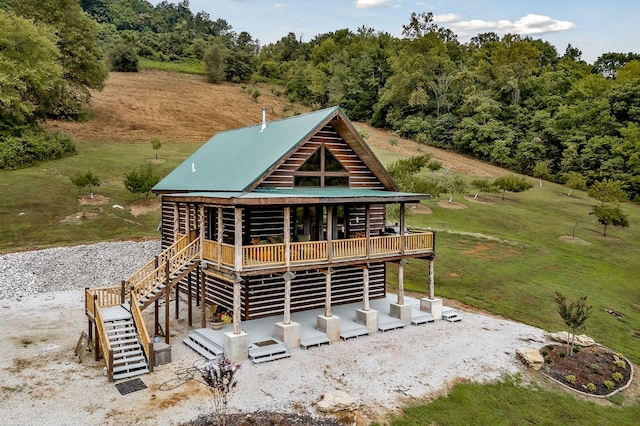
(129, 359)
(420, 317)
(118, 324)
(118, 343)
(450, 315)
(390, 325)
(128, 374)
(269, 357)
(121, 338)
(259, 351)
(314, 341)
(124, 329)
(126, 348)
(130, 367)
(200, 349)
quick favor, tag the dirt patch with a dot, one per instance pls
(144, 206)
(97, 200)
(174, 107)
(573, 240)
(79, 217)
(420, 208)
(445, 204)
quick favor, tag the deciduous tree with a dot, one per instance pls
(574, 315)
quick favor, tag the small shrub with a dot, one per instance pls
(617, 376)
(544, 352)
(570, 379)
(620, 363)
(547, 360)
(596, 368)
(255, 93)
(609, 384)
(576, 349)
(549, 348)
(393, 141)
(591, 387)
(562, 354)
(221, 382)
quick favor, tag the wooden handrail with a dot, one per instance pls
(107, 351)
(104, 296)
(150, 267)
(143, 334)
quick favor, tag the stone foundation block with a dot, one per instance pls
(433, 306)
(236, 346)
(289, 334)
(402, 312)
(330, 326)
(368, 318)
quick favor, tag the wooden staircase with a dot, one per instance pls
(120, 328)
(128, 359)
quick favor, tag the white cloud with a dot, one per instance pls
(528, 25)
(446, 18)
(371, 4)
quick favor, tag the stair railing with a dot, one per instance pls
(145, 340)
(107, 351)
(158, 276)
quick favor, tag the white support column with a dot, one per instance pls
(401, 310)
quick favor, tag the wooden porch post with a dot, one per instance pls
(190, 307)
(327, 301)
(237, 287)
(288, 276)
(201, 224)
(330, 233)
(367, 228)
(402, 229)
(203, 301)
(166, 303)
(220, 235)
(176, 314)
(401, 281)
(365, 287)
(176, 221)
(237, 284)
(287, 237)
(156, 317)
(431, 285)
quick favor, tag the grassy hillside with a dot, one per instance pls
(503, 256)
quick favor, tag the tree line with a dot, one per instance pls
(513, 101)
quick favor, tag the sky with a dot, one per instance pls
(594, 27)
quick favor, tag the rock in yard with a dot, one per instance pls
(531, 357)
(580, 340)
(333, 402)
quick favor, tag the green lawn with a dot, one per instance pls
(505, 257)
(36, 200)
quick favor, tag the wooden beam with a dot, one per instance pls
(401, 281)
(220, 235)
(190, 296)
(203, 302)
(287, 237)
(431, 278)
(238, 239)
(402, 245)
(327, 302)
(237, 287)
(365, 288)
(330, 233)
(166, 303)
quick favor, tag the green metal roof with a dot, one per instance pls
(232, 160)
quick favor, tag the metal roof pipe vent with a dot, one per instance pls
(264, 119)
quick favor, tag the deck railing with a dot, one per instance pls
(101, 296)
(173, 260)
(150, 267)
(262, 255)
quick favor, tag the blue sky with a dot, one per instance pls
(594, 27)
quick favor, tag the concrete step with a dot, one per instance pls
(420, 317)
(268, 358)
(317, 340)
(390, 324)
(451, 315)
(354, 333)
(205, 352)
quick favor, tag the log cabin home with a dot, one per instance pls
(264, 222)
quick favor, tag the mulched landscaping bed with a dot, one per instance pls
(265, 418)
(594, 364)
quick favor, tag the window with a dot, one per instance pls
(320, 170)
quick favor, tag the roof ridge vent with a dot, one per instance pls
(264, 119)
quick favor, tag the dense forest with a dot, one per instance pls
(514, 101)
